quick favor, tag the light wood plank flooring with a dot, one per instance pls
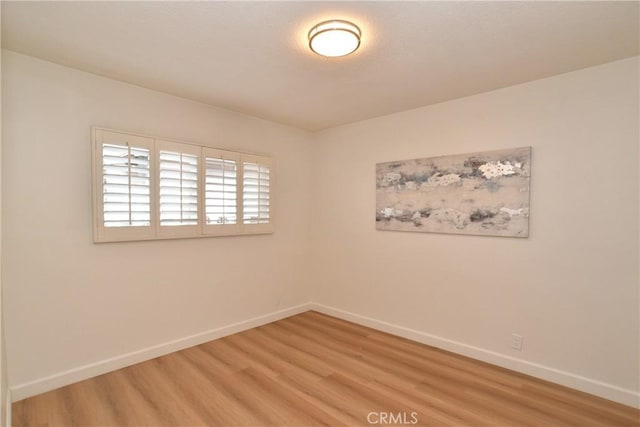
(312, 369)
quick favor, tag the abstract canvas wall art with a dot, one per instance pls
(484, 193)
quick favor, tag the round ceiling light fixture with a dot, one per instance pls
(334, 38)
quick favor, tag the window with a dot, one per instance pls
(221, 191)
(256, 186)
(124, 186)
(147, 188)
(178, 189)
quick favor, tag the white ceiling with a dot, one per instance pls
(252, 57)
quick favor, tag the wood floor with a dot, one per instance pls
(313, 369)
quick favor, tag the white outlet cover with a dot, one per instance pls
(516, 342)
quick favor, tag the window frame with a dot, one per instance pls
(155, 231)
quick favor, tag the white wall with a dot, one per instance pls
(71, 302)
(570, 289)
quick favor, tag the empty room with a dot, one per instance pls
(300, 213)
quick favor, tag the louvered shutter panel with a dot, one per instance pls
(221, 191)
(256, 193)
(147, 188)
(178, 189)
(124, 186)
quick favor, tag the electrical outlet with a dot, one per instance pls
(516, 342)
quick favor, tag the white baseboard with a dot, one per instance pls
(598, 388)
(22, 391)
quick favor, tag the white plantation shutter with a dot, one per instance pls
(146, 188)
(124, 196)
(178, 189)
(257, 182)
(126, 186)
(178, 198)
(221, 191)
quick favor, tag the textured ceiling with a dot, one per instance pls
(252, 57)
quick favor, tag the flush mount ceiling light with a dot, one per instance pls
(334, 38)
